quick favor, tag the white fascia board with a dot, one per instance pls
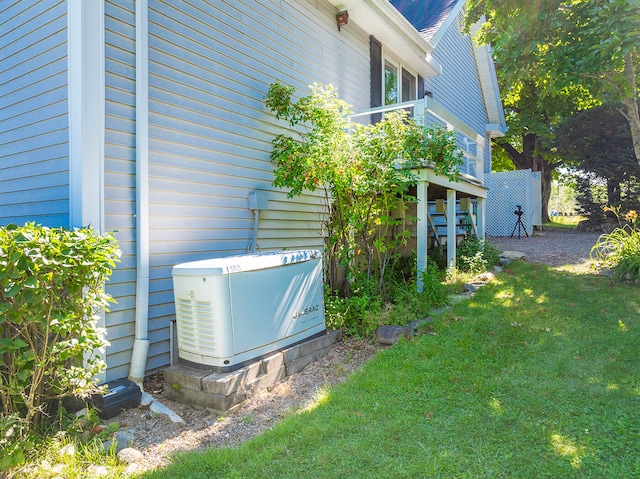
(86, 97)
(489, 82)
(495, 130)
(451, 18)
(381, 19)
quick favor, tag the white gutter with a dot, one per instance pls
(141, 343)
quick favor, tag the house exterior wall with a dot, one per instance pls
(458, 89)
(34, 137)
(210, 134)
(210, 65)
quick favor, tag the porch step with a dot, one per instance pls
(224, 392)
(437, 220)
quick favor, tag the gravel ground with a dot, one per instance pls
(552, 246)
(158, 438)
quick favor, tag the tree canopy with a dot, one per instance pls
(585, 51)
(555, 58)
(598, 147)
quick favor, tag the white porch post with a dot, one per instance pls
(451, 228)
(480, 217)
(423, 231)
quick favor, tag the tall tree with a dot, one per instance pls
(555, 57)
(520, 35)
(598, 141)
(599, 47)
(532, 116)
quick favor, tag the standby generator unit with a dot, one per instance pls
(233, 310)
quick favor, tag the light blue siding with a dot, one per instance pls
(119, 178)
(487, 156)
(34, 145)
(210, 135)
(458, 88)
(211, 63)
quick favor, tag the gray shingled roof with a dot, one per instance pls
(425, 15)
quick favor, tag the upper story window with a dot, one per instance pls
(408, 86)
(391, 81)
(398, 87)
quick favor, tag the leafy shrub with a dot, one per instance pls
(365, 310)
(475, 255)
(364, 171)
(51, 294)
(357, 314)
(13, 442)
(620, 250)
(434, 291)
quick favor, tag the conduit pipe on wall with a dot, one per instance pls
(256, 222)
(257, 201)
(140, 351)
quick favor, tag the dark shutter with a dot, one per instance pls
(420, 87)
(375, 48)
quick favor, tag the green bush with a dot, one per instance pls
(357, 314)
(365, 173)
(476, 255)
(361, 313)
(51, 295)
(620, 250)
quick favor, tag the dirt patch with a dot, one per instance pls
(158, 438)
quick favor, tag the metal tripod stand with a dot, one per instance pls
(519, 224)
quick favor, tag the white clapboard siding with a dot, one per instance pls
(211, 64)
(34, 149)
(458, 89)
(119, 179)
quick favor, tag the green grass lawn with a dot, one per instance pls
(564, 221)
(537, 376)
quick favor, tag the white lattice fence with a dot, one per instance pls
(507, 190)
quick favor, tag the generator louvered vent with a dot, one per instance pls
(195, 326)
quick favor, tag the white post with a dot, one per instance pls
(85, 42)
(86, 99)
(480, 217)
(423, 231)
(451, 228)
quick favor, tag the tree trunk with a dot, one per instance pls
(632, 114)
(613, 192)
(631, 110)
(532, 158)
(546, 175)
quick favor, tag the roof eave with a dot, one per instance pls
(495, 130)
(380, 19)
